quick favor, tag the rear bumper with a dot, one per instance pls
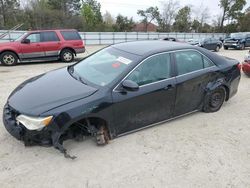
(246, 68)
(18, 131)
(80, 50)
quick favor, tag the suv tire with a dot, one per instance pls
(8, 58)
(67, 56)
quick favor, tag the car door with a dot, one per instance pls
(33, 49)
(208, 44)
(214, 43)
(152, 102)
(194, 72)
(50, 43)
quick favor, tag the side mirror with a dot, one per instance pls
(26, 41)
(130, 85)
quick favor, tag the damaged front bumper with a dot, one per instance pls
(30, 137)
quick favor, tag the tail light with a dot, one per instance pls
(239, 66)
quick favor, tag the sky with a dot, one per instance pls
(129, 7)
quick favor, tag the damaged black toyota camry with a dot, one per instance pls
(120, 89)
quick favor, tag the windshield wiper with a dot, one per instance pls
(77, 77)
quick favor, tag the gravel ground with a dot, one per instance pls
(198, 150)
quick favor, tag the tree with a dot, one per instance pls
(196, 25)
(108, 19)
(168, 14)
(202, 15)
(149, 15)
(244, 21)
(91, 12)
(182, 20)
(123, 24)
(8, 11)
(231, 9)
(66, 6)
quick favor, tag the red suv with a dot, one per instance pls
(42, 45)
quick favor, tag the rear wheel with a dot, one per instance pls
(8, 58)
(225, 47)
(215, 100)
(67, 56)
(217, 48)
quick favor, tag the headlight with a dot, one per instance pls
(34, 123)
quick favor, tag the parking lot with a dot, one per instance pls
(198, 150)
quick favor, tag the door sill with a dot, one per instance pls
(154, 124)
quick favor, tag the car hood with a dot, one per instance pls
(4, 44)
(47, 91)
(233, 39)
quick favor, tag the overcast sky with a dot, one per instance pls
(129, 7)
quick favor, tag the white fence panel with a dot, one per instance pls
(105, 38)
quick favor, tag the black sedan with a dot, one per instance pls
(208, 43)
(119, 89)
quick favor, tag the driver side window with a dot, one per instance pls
(154, 69)
(34, 37)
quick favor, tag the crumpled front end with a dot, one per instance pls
(30, 137)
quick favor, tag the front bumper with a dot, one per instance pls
(29, 137)
(234, 45)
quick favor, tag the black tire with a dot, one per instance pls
(8, 58)
(242, 46)
(217, 49)
(214, 100)
(225, 48)
(67, 55)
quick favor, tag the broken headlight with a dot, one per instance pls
(34, 123)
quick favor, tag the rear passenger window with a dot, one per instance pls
(154, 69)
(71, 35)
(207, 62)
(49, 36)
(188, 61)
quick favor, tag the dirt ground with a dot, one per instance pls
(198, 150)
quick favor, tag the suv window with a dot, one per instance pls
(49, 36)
(71, 35)
(34, 37)
(188, 61)
(154, 69)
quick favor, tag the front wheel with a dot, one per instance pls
(67, 56)
(215, 100)
(8, 58)
(242, 46)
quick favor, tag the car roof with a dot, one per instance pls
(143, 48)
(51, 30)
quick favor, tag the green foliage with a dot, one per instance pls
(91, 12)
(231, 10)
(123, 24)
(150, 14)
(85, 15)
(183, 20)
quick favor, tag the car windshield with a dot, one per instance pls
(236, 35)
(104, 66)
